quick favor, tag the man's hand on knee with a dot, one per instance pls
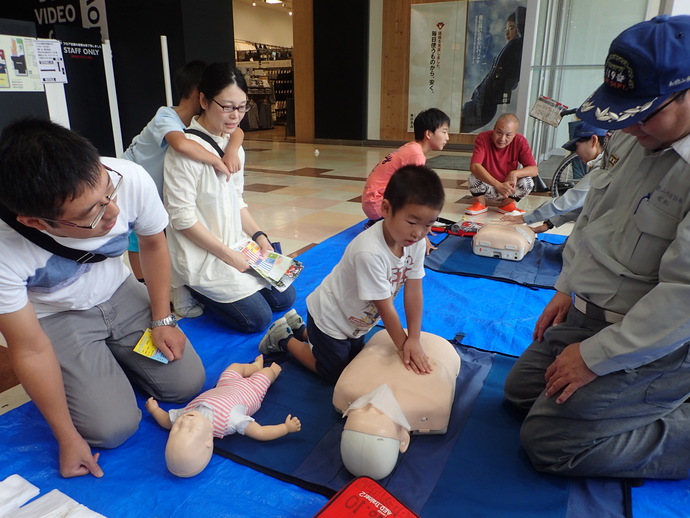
(568, 373)
(554, 313)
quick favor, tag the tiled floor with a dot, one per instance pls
(300, 198)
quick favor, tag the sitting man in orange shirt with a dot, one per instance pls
(494, 167)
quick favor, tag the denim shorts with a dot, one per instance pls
(332, 355)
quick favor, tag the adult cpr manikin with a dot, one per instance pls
(384, 402)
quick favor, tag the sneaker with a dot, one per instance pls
(511, 207)
(277, 332)
(476, 208)
(297, 324)
(184, 304)
(294, 320)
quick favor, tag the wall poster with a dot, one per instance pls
(493, 57)
(437, 43)
(465, 59)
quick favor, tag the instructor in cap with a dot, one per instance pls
(604, 384)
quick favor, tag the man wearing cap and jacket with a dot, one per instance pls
(605, 382)
(588, 142)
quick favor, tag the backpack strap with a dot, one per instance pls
(48, 243)
(207, 138)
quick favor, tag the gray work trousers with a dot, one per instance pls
(99, 367)
(630, 423)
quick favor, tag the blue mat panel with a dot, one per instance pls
(539, 268)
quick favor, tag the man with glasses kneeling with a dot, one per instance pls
(70, 311)
(605, 384)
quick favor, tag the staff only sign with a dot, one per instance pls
(80, 13)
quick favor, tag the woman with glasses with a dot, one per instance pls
(208, 215)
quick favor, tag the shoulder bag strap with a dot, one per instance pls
(46, 242)
(207, 138)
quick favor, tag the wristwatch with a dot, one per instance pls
(548, 224)
(170, 320)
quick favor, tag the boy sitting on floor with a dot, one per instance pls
(430, 134)
(363, 285)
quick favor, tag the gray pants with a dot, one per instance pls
(478, 188)
(99, 367)
(632, 423)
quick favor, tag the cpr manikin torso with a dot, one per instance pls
(503, 240)
(383, 401)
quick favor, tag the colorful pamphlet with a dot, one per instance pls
(280, 270)
(146, 347)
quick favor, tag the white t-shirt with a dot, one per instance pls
(341, 305)
(54, 284)
(193, 192)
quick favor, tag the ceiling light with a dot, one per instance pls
(273, 1)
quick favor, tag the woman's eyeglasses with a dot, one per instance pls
(229, 108)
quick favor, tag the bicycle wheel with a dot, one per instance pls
(568, 172)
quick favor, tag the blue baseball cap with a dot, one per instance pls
(583, 130)
(646, 64)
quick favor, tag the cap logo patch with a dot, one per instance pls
(618, 73)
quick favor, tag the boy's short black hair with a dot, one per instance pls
(431, 119)
(43, 165)
(414, 184)
(187, 78)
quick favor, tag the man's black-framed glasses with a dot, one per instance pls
(110, 197)
(661, 108)
(229, 108)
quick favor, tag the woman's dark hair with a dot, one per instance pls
(219, 76)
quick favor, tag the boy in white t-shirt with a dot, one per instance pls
(363, 285)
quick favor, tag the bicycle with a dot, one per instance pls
(571, 169)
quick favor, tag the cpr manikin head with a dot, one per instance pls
(370, 443)
(190, 444)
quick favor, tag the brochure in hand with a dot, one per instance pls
(280, 270)
(146, 347)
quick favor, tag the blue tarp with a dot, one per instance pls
(492, 315)
(539, 268)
